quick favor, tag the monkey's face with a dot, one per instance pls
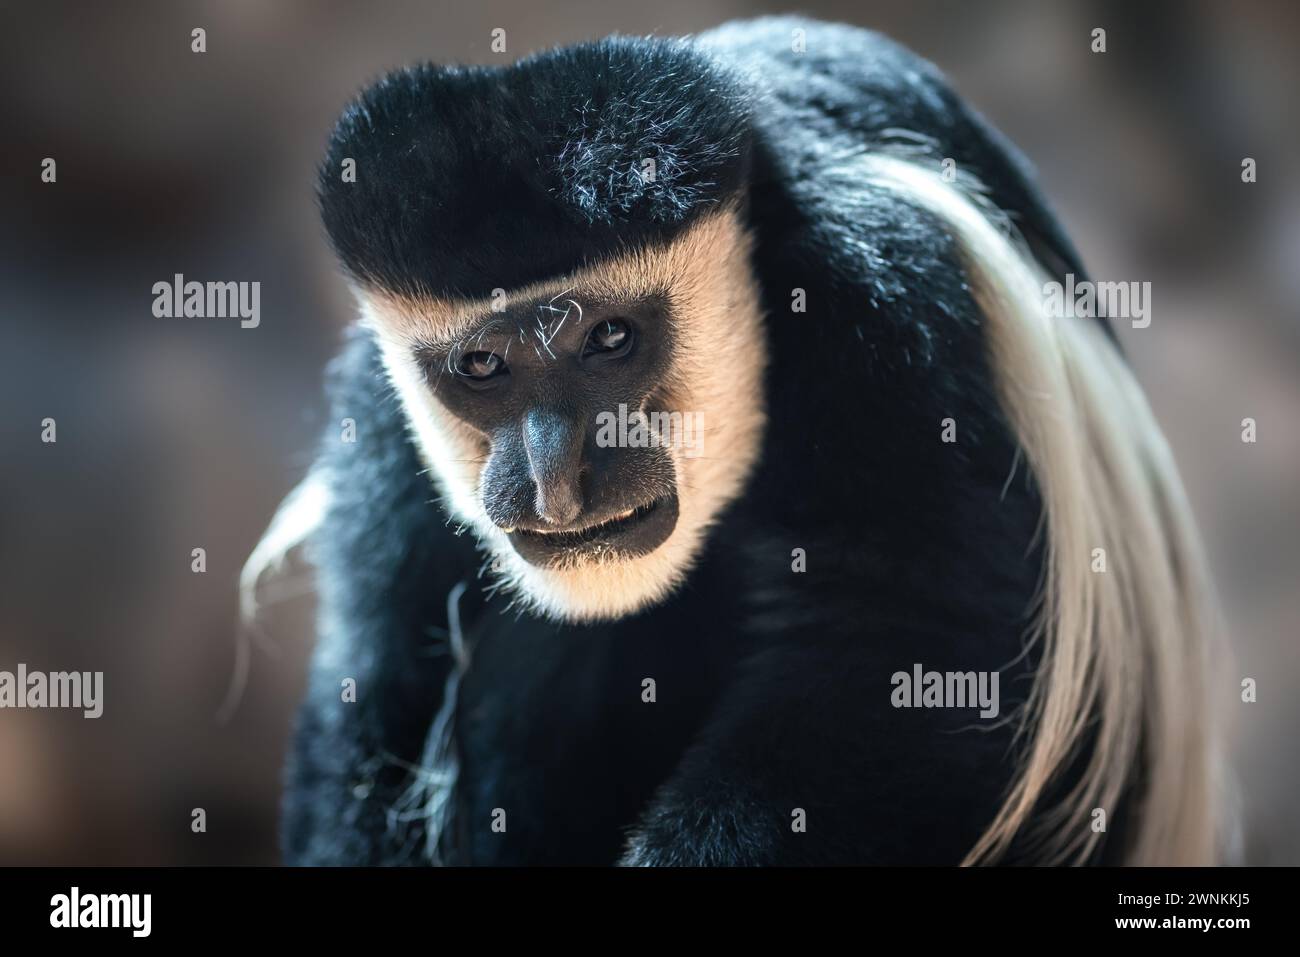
(590, 429)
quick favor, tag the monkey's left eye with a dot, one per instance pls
(480, 365)
(608, 336)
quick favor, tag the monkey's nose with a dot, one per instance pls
(558, 503)
(554, 447)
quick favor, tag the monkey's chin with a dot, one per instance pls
(622, 538)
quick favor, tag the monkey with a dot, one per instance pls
(567, 647)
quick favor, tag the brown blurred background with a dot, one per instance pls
(176, 434)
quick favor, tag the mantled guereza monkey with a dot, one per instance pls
(859, 472)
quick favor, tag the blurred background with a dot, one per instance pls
(179, 434)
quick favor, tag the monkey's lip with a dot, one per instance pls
(628, 534)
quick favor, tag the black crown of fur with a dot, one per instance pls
(474, 178)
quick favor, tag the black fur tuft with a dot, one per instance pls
(473, 178)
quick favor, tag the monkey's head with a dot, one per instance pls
(553, 259)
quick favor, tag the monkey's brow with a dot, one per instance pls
(464, 334)
(542, 310)
(543, 315)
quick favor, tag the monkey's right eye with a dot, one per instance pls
(480, 366)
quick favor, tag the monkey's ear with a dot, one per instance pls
(455, 181)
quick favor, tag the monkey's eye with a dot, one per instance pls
(608, 337)
(480, 365)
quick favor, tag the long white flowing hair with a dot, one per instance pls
(1124, 651)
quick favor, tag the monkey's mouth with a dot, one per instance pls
(628, 534)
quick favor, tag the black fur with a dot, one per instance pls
(773, 687)
(466, 175)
